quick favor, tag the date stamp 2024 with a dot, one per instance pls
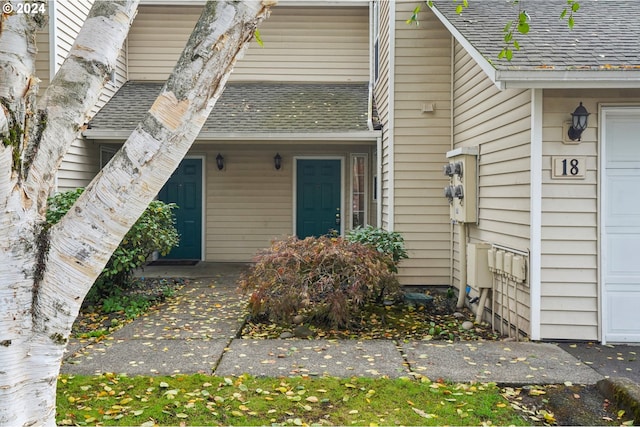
(34, 8)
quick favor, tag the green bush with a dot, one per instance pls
(154, 231)
(384, 241)
(328, 279)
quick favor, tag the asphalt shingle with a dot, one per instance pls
(254, 108)
(606, 34)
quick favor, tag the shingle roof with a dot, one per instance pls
(253, 108)
(606, 34)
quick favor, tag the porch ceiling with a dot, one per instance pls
(250, 108)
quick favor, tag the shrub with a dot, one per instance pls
(154, 231)
(328, 279)
(384, 241)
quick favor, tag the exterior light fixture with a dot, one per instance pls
(579, 120)
(277, 161)
(220, 161)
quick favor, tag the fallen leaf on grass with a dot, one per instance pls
(423, 414)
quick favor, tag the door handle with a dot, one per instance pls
(338, 218)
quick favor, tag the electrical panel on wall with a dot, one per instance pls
(462, 191)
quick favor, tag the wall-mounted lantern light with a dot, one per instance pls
(220, 161)
(277, 161)
(579, 120)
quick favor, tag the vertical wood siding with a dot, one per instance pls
(421, 139)
(300, 44)
(570, 290)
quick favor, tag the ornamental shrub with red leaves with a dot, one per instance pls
(328, 279)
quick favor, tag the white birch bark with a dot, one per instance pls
(73, 91)
(40, 298)
(29, 356)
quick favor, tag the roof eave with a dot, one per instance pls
(358, 136)
(567, 79)
(309, 3)
(475, 54)
(543, 79)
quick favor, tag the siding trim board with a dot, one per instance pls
(53, 38)
(298, 137)
(535, 257)
(203, 195)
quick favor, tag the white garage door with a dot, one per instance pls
(621, 224)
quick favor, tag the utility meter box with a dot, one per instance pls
(479, 275)
(462, 190)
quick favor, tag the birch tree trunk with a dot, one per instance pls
(45, 274)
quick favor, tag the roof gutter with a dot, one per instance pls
(568, 79)
(363, 136)
(371, 65)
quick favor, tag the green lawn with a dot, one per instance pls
(205, 400)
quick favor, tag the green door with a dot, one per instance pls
(317, 197)
(184, 188)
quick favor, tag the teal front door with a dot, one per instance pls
(317, 197)
(184, 188)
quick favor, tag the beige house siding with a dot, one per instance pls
(42, 57)
(570, 292)
(300, 44)
(80, 164)
(382, 97)
(498, 123)
(70, 15)
(421, 139)
(249, 203)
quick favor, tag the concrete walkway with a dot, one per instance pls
(197, 332)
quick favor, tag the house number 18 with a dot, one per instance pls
(568, 168)
(573, 163)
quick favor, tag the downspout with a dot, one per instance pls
(462, 292)
(462, 227)
(126, 59)
(391, 125)
(371, 66)
(377, 187)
